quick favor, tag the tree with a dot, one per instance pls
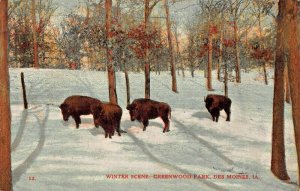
(228, 44)
(27, 41)
(261, 8)
(191, 57)
(210, 8)
(171, 52)
(262, 55)
(294, 67)
(5, 114)
(71, 40)
(178, 54)
(220, 60)
(122, 45)
(287, 85)
(147, 13)
(237, 8)
(278, 164)
(110, 67)
(21, 37)
(34, 32)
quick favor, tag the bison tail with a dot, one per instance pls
(169, 114)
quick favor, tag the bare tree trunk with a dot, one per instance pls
(171, 54)
(127, 86)
(209, 64)
(111, 72)
(179, 59)
(287, 85)
(278, 164)
(190, 54)
(294, 69)
(147, 79)
(262, 48)
(192, 70)
(118, 12)
(220, 55)
(35, 42)
(146, 62)
(5, 114)
(225, 80)
(126, 79)
(178, 54)
(265, 72)
(237, 53)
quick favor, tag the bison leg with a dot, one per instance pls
(77, 120)
(118, 128)
(111, 131)
(213, 116)
(145, 123)
(217, 115)
(228, 112)
(167, 124)
(106, 134)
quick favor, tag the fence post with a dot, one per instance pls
(24, 91)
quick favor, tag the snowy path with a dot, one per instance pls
(60, 157)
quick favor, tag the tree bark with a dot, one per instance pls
(126, 79)
(177, 52)
(110, 68)
(35, 42)
(278, 164)
(287, 85)
(220, 60)
(209, 64)
(262, 48)
(265, 72)
(294, 69)
(225, 80)
(171, 53)
(5, 113)
(237, 54)
(146, 61)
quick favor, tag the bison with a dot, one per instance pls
(108, 116)
(215, 103)
(76, 106)
(145, 109)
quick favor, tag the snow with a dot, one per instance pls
(50, 154)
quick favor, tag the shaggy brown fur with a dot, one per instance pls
(76, 106)
(215, 103)
(145, 109)
(108, 116)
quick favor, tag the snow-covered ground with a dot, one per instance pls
(49, 154)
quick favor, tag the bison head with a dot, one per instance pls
(208, 103)
(66, 111)
(132, 111)
(97, 111)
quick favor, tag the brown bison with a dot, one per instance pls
(76, 106)
(215, 103)
(145, 109)
(108, 116)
